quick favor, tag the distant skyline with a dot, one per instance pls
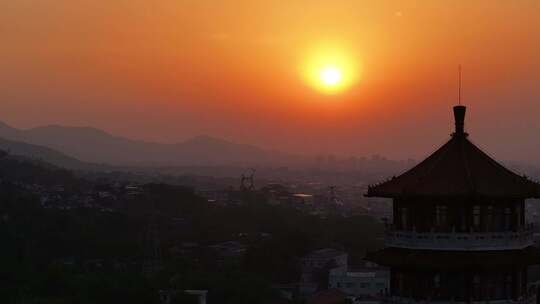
(167, 71)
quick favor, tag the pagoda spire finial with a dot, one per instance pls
(459, 116)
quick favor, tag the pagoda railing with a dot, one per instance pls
(529, 297)
(462, 241)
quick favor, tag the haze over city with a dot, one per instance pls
(167, 71)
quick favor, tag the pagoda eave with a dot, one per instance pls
(450, 195)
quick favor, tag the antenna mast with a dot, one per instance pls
(246, 181)
(459, 86)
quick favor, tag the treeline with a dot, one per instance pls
(56, 256)
(89, 256)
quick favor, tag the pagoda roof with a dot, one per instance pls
(454, 260)
(457, 169)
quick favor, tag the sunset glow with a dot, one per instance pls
(351, 77)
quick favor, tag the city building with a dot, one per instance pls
(458, 232)
(361, 283)
(316, 268)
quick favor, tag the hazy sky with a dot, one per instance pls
(171, 69)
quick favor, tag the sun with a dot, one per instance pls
(331, 76)
(330, 70)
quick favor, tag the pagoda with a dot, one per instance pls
(458, 232)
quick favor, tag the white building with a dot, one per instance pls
(365, 283)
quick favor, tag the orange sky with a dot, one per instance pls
(167, 70)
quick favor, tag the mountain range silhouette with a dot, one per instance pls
(91, 145)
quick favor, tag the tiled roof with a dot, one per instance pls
(458, 168)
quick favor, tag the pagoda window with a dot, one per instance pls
(518, 284)
(498, 218)
(518, 216)
(507, 219)
(508, 286)
(498, 287)
(495, 290)
(401, 284)
(404, 218)
(477, 288)
(441, 216)
(457, 289)
(398, 288)
(476, 216)
(437, 281)
(462, 220)
(488, 218)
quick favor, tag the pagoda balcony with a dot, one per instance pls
(527, 299)
(460, 241)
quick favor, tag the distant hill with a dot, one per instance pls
(96, 146)
(22, 169)
(45, 154)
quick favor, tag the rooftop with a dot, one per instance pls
(458, 168)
